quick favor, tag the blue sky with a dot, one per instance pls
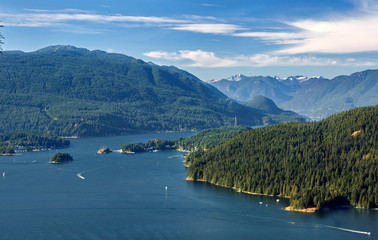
(211, 39)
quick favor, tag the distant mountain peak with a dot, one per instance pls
(58, 48)
(314, 96)
(301, 78)
(234, 78)
(240, 77)
(64, 50)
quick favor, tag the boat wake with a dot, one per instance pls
(346, 229)
(316, 225)
(80, 174)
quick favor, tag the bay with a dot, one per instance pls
(145, 196)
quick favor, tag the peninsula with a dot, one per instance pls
(24, 141)
(318, 165)
(202, 140)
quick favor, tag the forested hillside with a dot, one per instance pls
(73, 91)
(329, 163)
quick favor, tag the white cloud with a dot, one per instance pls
(196, 58)
(366, 5)
(274, 37)
(45, 18)
(173, 56)
(349, 35)
(210, 5)
(70, 17)
(352, 33)
(213, 28)
(206, 59)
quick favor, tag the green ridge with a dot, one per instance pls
(330, 163)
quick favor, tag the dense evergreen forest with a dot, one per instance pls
(203, 140)
(330, 163)
(20, 141)
(73, 91)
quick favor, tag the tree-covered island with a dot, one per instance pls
(61, 158)
(23, 141)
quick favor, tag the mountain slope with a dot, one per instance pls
(310, 96)
(243, 88)
(274, 113)
(329, 163)
(73, 91)
(264, 104)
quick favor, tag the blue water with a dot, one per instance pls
(121, 196)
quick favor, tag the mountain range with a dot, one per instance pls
(315, 97)
(67, 90)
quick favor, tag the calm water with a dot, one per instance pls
(125, 197)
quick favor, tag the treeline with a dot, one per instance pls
(156, 144)
(17, 141)
(209, 138)
(203, 140)
(330, 163)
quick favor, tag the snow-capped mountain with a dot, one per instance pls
(313, 96)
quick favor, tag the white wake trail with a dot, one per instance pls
(80, 174)
(347, 230)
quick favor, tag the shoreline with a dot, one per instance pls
(182, 150)
(304, 210)
(7, 154)
(235, 189)
(288, 208)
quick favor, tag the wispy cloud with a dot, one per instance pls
(353, 32)
(349, 33)
(69, 17)
(275, 37)
(199, 58)
(213, 28)
(45, 18)
(210, 5)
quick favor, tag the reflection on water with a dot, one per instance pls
(145, 196)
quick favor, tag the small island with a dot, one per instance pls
(104, 150)
(61, 158)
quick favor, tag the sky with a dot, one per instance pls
(212, 39)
